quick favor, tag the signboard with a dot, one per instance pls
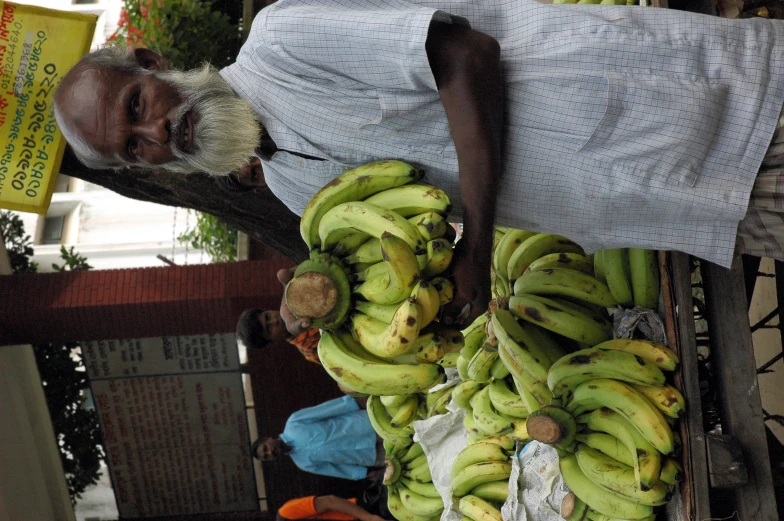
(172, 412)
(37, 47)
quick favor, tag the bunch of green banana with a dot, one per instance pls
(478, 465)
(631, 274)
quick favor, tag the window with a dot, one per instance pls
(53, 230)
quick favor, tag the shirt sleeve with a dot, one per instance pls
(299, 508)
(336, 407)
(355, 43)
(307, 344)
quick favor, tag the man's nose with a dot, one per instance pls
(155, 130)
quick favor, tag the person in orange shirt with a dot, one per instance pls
(258, 327)
(333, 508)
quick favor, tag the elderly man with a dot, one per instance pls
(615, 126)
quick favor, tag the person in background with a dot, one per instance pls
(371, 507)
(258, 327)
(334, 438)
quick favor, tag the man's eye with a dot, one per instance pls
(132, 145)
(135, 105)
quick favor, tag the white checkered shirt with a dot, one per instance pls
(625, 126)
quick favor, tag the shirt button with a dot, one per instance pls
(300, 164)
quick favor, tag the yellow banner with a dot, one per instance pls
(37, 47)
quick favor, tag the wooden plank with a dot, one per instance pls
(735, 374)
(725, 462)
(676, 286)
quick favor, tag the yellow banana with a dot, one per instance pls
(394, 400)
(477, 509)
(353, 185)
(478, 473)
(658, 354)
(572, 261)
(445, 288)
(381, 423)
(565, 283)
(587, 364)
(506, 401)
(463, 392)
(536, 247)
(507, 329)
(609, 445)
(477, 453)
(439, 255)
(413, 199)
(368, 253)
(506, 247)
(405, 413)
(428, 348)
(480, 365)
(559, 318)
(618, 478)
(381, 312)
(666, 398)
(361, 216)
(426, 296)
(599, 499)
(367, 376)
(671, 472)
(372, 271)
(401, 276)
(485, 417)
(430, 225)
(388, 340)
(496, 491)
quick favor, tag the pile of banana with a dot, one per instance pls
(611, 422)
(532, 263)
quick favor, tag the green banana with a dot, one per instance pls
(645, 458)
(414, 451)
(381, 423)
(499, 371)
(368, 253)
(361, 216)
(609, 445)
(416, 462)
(430, 225)
(644, 276)
(587, 364)
(368, 376)
(507, 443)
(419, 473)
(533, 392)
(398, 511)
(472, 428)
(439, 405)
(477, 453)
(462, 367)
(353, 185)
(597, 498)
(598, 266)
(543, 340)
(506, 401)
(423, 489)
(616, 270)
(658, 354)
(478, 473)
(419, 504)
(506, 247)
(388, 340)
(508, 331)
(571, 261)
(595, 516)
(463, 392)
(372, 271)
(413, 199)
(477, 509)
(560, 319)
(405, 413)
(618, 478)
(449, 360)
(391, 471)
(666, 398)
(453, 337)
(630, 404)
(439, 255)
(480, 365)
(381, 312)
(485, 417)
(392, 450)
(495, 491)
(536, 247)
(565, 283)
(401, 275)
(349, 244)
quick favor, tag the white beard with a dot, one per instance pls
(226, 131)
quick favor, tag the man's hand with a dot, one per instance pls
(294, 325)
(466, 65)
(471, 275)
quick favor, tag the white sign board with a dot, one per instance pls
(173, 416)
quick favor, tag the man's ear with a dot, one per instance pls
(150, 60)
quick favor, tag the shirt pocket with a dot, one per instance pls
(659, 127)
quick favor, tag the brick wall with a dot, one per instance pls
(133, 303)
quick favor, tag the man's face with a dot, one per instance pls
(274, 328)
(185, 122)
(269, 450)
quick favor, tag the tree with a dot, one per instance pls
(77, 431)
(260, 215)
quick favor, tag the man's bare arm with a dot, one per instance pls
(467, 69)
